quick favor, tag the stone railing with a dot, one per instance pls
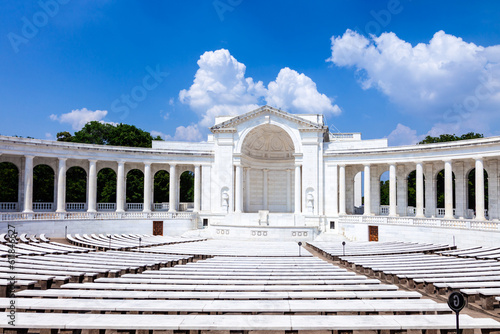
(383, 210)
(161, 206)
(135, 206)
(106, 206)
(185, 206)
(43, 206)
(76, 206)
(8, 206)
(19, 216)
(431, 222)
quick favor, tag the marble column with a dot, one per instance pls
(480, 189)
(238, 191)
(146, 207)
(197, 188)
(298, 191)
(265, 190)
(334, 194)
(92, 205)
(342, 209)
(120, 187)
(430, 192)
(367, 193)
(288, 190)
(392, 190)
(448, 190)
(247, 189)
(173, 189)
(419, 210)
(61, 186)
(28, 184)
(492, 189)
(402, 190)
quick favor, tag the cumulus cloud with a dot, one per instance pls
(79, 117)
(446, 80)
(220, 87)
(298, 92)
(403, 135)
(182, 133)
(220, 84)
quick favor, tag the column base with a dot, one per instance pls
(448, 217)
(60, 211)
(420, 216)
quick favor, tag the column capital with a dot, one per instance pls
(478, 157)
(120, 162)
(237, 164)
(450, 160)
(29, 156)
(63, 159)
(171, 164)
(366, 164)
(419, 162)
(196, 165)
(90, 160)
(147, 163)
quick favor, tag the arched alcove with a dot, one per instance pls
(267, 156)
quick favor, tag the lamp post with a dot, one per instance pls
(343, 248)
(300, 245)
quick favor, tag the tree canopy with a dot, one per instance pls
(452, 137)
(95, 132)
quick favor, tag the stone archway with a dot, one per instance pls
(267, 156)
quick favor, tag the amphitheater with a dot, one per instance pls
(286, 233)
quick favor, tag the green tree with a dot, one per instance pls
(186, 184)
(43, 184)
(162, 187)
(384, 192)
(109, 134)
(106, 186)
(9, 178)
(447, 137)
(135, 186)
(76, 185)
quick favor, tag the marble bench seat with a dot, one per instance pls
(68, 261)
(485, 296)
(164, 287)
(394, 306)
(216, 295)
(225, 323)
(43, 281)
(75, 276)
(127, 279)
(433, 264)
(74, 271)
(222, 271)
(6, 286)
(159, 274)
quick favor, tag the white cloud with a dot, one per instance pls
(403, 135)
(79, 117)
(49, 136)
(221, 88)
(298, 92)
(220, 83)
(182, 133)
(447, 80)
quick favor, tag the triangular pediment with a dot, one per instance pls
(230, 124)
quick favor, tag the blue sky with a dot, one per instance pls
(397, 69)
